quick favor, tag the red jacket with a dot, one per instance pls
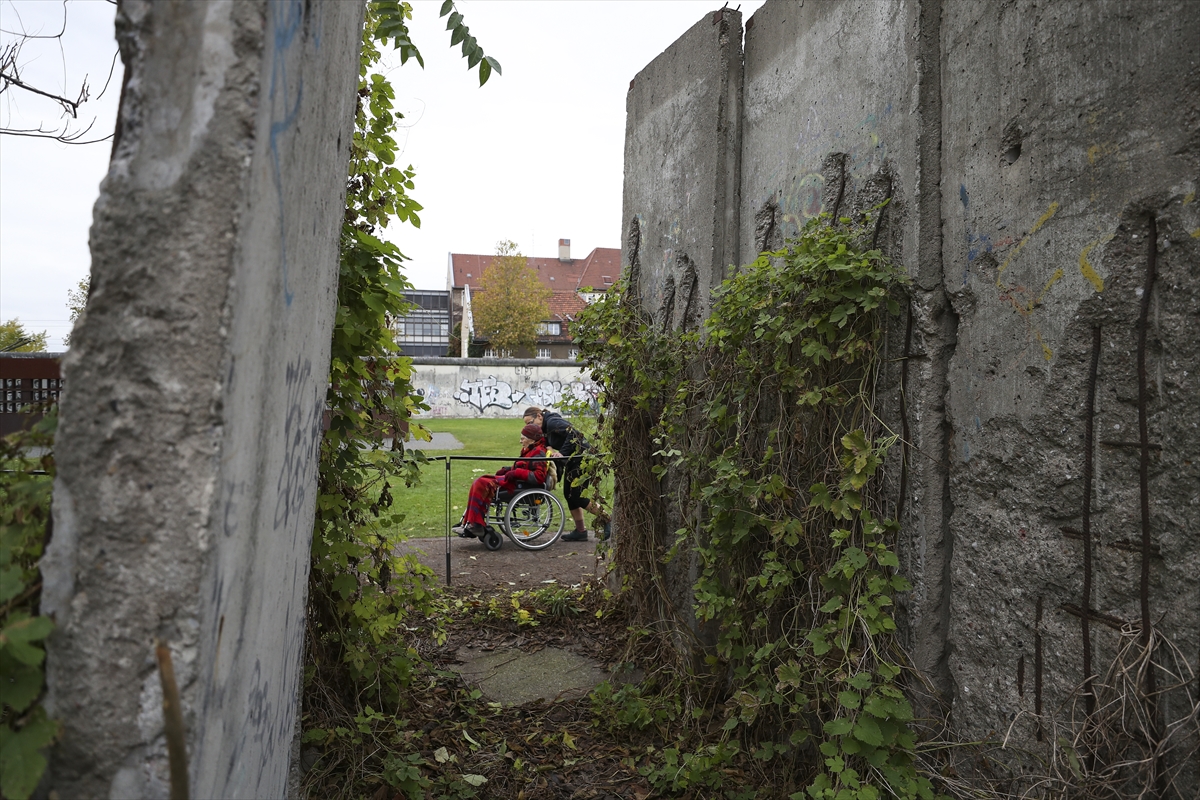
(527, 471)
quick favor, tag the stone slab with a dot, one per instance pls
(513, 677)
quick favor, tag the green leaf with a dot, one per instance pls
(851, 700)
(833, 604)
(861, 681)
(839, 726)
(867, 731)
(20, 686)
(21, 762)
(19, 638)
(11, 584)
(29, 629)
(447, 7)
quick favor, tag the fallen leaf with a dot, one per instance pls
(442, 755)
(569, 740)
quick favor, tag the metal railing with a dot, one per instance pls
(449, 460)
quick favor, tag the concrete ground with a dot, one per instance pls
(472, 564)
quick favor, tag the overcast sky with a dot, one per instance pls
(533, 156)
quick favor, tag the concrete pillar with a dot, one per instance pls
(680, 209)
(1069, 128)
(189, 432)
(840, 113)
(682, 145)
(1042, 167)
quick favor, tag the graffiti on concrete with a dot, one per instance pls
(487, 392)
(552, 393)
(491, 391)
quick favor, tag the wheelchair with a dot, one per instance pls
(530, 515)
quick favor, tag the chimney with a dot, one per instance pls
(564, 249)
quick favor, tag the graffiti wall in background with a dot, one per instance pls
(499, 387)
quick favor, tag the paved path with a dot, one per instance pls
(472, 564)
(513, 677)
(440, 441)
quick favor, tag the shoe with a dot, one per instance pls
(461, 530)
(575, 536)
(474, 529)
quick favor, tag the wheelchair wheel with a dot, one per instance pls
(492, 539)
(534, 519)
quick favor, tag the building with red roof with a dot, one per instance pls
(573, 283)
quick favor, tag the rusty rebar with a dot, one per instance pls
(904, 435)
(1143, 327)
(173, 723)
(1037, 669)
(1088, 447)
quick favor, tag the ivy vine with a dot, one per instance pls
(360, 591)
(754, 439)
(26, 478)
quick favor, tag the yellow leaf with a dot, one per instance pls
(569, 740)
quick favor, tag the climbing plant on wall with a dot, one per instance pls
(360, 591)
(26, 476)
(751, 445)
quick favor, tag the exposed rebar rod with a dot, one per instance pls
(1143, 327)
(172, 723)
(904, 432)
(1088, 448)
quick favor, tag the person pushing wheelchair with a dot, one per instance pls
(563, 437)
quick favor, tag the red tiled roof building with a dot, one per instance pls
(566, 278)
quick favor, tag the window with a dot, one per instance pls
(573, 354)
(543, 352)
(550, 329)
(607, 279)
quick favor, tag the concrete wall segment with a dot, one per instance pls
(1025, 147)
(824, 79)
(680, 204)
(1067, 127)
(213, 279)
(682, 158)
(459, 388)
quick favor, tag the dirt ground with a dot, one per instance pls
(472, 564)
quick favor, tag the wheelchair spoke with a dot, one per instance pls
(534, 519)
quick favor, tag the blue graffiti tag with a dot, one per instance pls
(287, 22)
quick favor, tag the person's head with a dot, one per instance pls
(533, 415)
(530, 434)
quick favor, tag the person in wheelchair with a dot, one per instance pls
(522, 474)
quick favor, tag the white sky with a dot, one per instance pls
(533, 156)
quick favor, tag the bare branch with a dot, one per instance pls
(11, 77)
(70, 106)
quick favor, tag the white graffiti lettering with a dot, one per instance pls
(550, 394)
(487, 392)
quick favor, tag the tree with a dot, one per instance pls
(511, 302)
(15, 339)
(77, 301)
(359, 589)
(77, 297)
